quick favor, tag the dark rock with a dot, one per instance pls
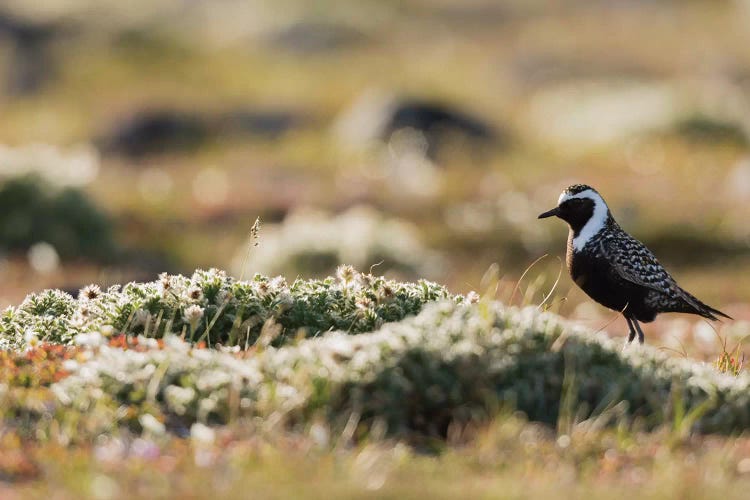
(268, 124)
(435, 118)
(152, 132)
(30, 64)
(440, 123)
(157, 131)
(411, 125)
(25, 33)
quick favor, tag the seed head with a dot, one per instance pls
(255, 231)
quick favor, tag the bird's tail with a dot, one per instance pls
(698, 307)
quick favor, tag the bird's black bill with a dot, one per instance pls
(548, 213)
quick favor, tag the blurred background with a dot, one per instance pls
(421, 137)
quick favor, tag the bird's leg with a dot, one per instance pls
(631, 336)
(641, 337)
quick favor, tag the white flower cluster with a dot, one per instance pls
(213, 307)
(160, 375)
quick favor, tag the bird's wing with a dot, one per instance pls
(630, 260)
(633, 262)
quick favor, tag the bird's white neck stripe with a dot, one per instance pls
(595, 223)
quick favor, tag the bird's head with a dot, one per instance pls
(580, 205)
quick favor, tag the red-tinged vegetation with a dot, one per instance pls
(129, 342)
(37, 367)
(17, 465)
(730, 361)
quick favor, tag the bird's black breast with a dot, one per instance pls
(594, 274)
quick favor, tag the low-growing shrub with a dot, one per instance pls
(452, 363)
(455, 362)
(33, 211)
(212, 307)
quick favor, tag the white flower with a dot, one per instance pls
(165, 285)
(151, 424)
(80, 318)
(193, 315)
(70, 365)
(90, 292)
(107, 330)
(93, 339)
(195, 293)
(31, 339)
(179, 398)
(212, 379)
(386, 293)
(347, 275)
(364, 303)
(174, 342)
(148, 342)
(278, 283)
(202, 434)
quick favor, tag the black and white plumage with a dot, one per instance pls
(615, 269)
